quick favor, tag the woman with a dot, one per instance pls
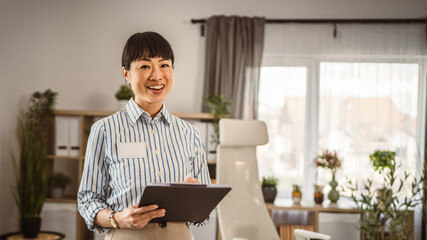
(138, 145)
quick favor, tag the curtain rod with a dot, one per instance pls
(349, 21)
(332, 21)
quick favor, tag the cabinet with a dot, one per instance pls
(72, 164)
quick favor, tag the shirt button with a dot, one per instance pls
(159, 173)
(153, 132)
(156, 152)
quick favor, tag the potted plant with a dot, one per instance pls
(57, 184)
(330, 160)
(318, 193)
(269, 190)
(382, 160)
(123, 95)
(386, 210)
(31, 168)
(296, 194)
(219, 108)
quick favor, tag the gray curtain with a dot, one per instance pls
(233, 60)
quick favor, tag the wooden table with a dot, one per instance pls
(312, 208)
(346, 206)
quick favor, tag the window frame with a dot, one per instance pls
(311, 134)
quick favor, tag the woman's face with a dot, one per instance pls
(151, 80)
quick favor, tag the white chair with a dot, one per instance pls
(242, 214)
(300, 234)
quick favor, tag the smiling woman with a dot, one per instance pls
(141, 144)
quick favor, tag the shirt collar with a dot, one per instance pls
(166, 115)
(135, 112)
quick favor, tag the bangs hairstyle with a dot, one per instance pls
(146, 45)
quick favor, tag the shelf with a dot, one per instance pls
(194, 116)
(344, 206)
(83, 113)
(61, 200)
(63, 157)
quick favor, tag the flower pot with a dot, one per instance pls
(30, 227)
(318, 197)
(269, 194)
(56, 193)
(333, 194)
(122, 104)
(296, 197)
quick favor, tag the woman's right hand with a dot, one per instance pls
(134, 217)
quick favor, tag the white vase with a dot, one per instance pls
(122, 104)
(56, 193)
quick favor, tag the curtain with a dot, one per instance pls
(233, 58)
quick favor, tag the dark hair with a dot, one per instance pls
(146, 45)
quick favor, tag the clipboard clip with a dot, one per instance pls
(187, 185)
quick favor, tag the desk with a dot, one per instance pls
(312, 209)
(43, 235)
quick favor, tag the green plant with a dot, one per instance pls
(389, 205)
(219, 108)
(58, 180)
(382, 160)
(424, 184)
(296, 188)
(31, 168)
(269, 181)
(124, 93)
(318, 188)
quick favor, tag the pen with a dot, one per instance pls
(192, 168)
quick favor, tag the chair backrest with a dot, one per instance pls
(304, 235)
(242, 213)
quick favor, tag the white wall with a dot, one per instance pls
(74, 48)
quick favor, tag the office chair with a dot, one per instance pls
(242, 214)
(300, 234)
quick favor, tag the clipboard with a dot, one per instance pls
(183, 202)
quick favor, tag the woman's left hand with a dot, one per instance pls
(191, 180)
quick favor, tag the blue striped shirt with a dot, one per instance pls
(128, 150)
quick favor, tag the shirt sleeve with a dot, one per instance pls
(93, 189)
(202, 169)
(200, 162)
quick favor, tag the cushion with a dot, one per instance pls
(242, 133)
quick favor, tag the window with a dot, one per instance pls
(282, 106)
(358, 107)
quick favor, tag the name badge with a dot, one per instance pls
(132, 150)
